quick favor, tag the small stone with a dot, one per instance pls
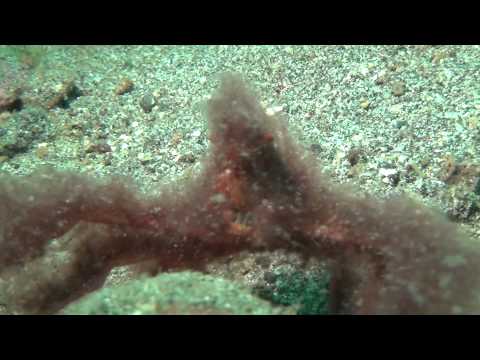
(398, 88)
(176, 139)
(144, 158)
(399, 124)
(161, 93)
(390, 176)
(271, 111)
(316, 148)
(393, 67)
(365, 104)
(187, 158)
(196, 134)
(472, 122)
(381, 78)
(42, 151)
(147, 102)
(363, 70)
(125, 86)
(4, 117)
(100, 147)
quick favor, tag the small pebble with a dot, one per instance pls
(144, 157)
(473, 122)
(365, 104)
(389, 176)
(398, 88)
(4, 117)
(196, 134)
(381, 78)
(399, 124)
(187, 158)
(147, 102)
(316, 148)
(271, 111)
(42, 151)
(100, 147)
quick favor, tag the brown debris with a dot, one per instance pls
(99, 147)
(66, 93)
(455, 172)
(125, 86)
(10, 100)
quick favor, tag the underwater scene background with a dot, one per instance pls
(385, 121)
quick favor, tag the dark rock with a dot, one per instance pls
(316, 148)
(354, 156)
(147, 102)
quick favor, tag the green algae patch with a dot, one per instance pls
(175, 293)
(308, 291)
